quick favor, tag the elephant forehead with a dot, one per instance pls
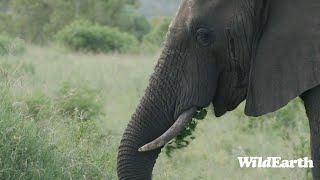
(206, 12)
(210, 4)
(215, 13)
(194, 3)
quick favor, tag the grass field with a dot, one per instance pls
(42, 137)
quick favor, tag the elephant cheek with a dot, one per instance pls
(228, 99)
(197, 91)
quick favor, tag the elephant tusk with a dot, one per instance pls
(172, 132)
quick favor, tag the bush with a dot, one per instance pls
(9, 46)
(285, 118)
(130, 20)
(79, 102)
(85, 36)
(157, 35)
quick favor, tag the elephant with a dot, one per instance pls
(224, 52)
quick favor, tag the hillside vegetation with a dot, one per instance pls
(152, 8)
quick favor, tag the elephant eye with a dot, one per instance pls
(204, 36)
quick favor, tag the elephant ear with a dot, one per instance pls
(287, 60)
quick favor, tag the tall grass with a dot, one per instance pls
(39, 140)
(26, 151)
(43, 137)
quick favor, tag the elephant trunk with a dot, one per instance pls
(131, 163)
(153, 117)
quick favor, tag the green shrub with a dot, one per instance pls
(87, 151)
(85, 36)
(157, 35)
(285, 118)
(79, 102)
(10, 46)
(86, 130)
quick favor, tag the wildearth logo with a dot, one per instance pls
(274, 162)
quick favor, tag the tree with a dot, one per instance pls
(30, 17)
(130, 20)
(37, 21)
(63, 13)
(4, 4)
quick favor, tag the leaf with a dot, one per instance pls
(201, 114)
(184, 138)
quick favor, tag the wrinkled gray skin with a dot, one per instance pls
(206, 58)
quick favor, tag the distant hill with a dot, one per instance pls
(151, 8)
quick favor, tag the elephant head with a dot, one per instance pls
(222, 51)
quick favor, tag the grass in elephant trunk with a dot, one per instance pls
(184, 138)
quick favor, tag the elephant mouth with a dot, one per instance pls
(183, 120)
(183, 112)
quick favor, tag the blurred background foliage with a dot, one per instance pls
(73, 71)
(40, 21)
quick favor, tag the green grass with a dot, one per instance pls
(37, 141)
